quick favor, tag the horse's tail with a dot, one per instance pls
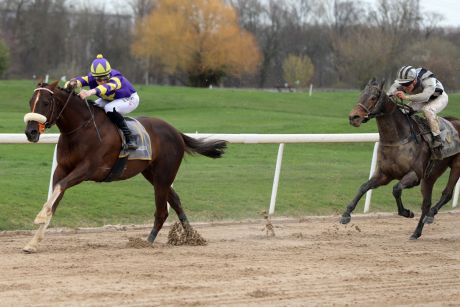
(209, 148)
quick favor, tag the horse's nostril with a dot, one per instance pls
(32, 134)
(353, 117)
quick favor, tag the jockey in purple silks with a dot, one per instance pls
(116, 94)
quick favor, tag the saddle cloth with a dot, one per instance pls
(142, 138)
(449, 136)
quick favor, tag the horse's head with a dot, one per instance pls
(370, 103)
(42, 107)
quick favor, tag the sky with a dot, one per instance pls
(449, 8)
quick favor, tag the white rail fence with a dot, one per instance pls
(281, 139)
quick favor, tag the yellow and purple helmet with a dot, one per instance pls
(100, 66)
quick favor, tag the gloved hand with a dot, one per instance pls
(71, 84)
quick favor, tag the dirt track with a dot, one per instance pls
(312, 261)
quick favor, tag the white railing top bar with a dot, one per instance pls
(243, 138)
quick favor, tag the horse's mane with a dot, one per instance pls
(71, 91)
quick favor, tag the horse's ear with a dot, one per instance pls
(382, 83)
(372, 81)
(54, 84)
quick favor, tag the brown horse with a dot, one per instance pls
(402, 155)
(89, 146)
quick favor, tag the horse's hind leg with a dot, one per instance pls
(374, 182)
(408, 181)
(446, 194)
(174, 201)
(161, 212)
(162, 190)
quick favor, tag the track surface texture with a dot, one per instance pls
(312, 261)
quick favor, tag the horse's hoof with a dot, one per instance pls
(29, 249)
(407, 214)
(345, 219)
(428, 219)
(413, 237)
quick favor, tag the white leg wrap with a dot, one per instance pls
(45, 214)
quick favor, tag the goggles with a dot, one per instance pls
(102, 78)
(405, 84)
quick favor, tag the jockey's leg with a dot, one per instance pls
(114, 111)
(430, 110)
(100, 103)
(434, 127)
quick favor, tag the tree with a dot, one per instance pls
(439, 55)
(297, 70)
(201, 38)
(364, 53)
(4, 57)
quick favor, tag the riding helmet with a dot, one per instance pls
(100, 66)
(406, 74)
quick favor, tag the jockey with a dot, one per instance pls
(116, 94)
(425, 93)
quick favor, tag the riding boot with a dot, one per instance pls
(120, 122)
(437, 142)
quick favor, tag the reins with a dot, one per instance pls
(48, 124)
(94, 121)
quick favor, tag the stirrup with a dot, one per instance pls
(130, 143)
(131, 146)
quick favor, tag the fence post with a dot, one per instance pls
(53, 168)
(371, 173)
(455, 199)
(276, 179)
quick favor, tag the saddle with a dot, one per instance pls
(142, 140)
(449, 137)
(142, 152)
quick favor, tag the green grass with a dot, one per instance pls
(315, 178)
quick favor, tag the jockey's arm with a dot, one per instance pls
(77, 82)
(429, 87)
(393, 89)
(113, 84)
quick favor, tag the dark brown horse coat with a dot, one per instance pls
(89, 145)
(402, 155)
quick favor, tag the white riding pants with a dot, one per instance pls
(122, 105)
(430, 110)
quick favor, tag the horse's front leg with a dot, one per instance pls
(408, 181)
(375, 181)
(61, 182)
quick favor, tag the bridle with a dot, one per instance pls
(44, 121)
(376, 109)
